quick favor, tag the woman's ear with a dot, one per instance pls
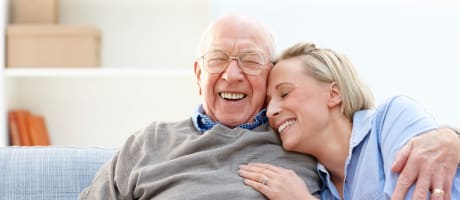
(335, 96)
(197, 70)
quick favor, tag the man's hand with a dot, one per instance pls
(430, 161)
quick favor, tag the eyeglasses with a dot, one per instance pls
(250, 63)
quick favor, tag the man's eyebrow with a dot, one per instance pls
(215, 50)
(250, 50)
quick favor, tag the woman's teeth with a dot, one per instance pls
(285, 125)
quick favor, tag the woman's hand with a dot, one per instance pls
(274, 182)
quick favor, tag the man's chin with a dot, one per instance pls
(233, 120)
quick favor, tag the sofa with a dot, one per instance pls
(52, 172)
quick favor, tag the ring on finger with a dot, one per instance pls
(264, 180)
(438, 191)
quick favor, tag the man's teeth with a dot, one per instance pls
(233, 96)
(285, 125)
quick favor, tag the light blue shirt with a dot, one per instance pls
(376, 138)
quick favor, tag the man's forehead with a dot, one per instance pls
(235, 44)
(238, 33)
(249, 49)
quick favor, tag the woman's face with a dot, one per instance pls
(297, 105)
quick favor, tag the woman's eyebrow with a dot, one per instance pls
(277, 86)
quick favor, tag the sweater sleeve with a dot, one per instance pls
(115, 180)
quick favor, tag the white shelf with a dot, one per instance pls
(95, 72)
(101, 107)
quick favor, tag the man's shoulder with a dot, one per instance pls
(156, 133)
(170, 123)
(156, 127)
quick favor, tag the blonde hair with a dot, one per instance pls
(328, 66)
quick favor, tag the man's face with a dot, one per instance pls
(233, 97)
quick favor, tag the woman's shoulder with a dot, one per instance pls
(399, 105)
(402, 114)
(397, 101)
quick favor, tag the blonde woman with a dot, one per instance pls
(320, 107)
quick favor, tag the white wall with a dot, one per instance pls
(399, 47)
(3, 127)
(142, 33)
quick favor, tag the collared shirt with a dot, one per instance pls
(376, 137)
(203, 122)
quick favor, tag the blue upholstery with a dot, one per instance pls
(54, 172)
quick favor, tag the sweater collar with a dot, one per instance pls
(203, 122)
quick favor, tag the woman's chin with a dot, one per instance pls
(288, 145)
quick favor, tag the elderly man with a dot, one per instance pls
(198, 158)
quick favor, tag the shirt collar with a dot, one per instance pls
(362, 124)
(203, 122)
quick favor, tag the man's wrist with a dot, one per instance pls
(457, 131)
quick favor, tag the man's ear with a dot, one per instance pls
(335, 96)
(197, 70)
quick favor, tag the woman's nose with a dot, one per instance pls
(272, 109)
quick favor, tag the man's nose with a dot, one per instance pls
(233, 71)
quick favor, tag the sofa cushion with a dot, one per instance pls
(53, 172)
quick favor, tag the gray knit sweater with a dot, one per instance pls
(175, 161)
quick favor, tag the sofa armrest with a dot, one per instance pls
(52, 172)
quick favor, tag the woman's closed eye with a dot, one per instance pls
(284, 90)
(284, 94)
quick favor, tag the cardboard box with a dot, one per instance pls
(52, 46)
(34, 11)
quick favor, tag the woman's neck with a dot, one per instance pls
(334, 154)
